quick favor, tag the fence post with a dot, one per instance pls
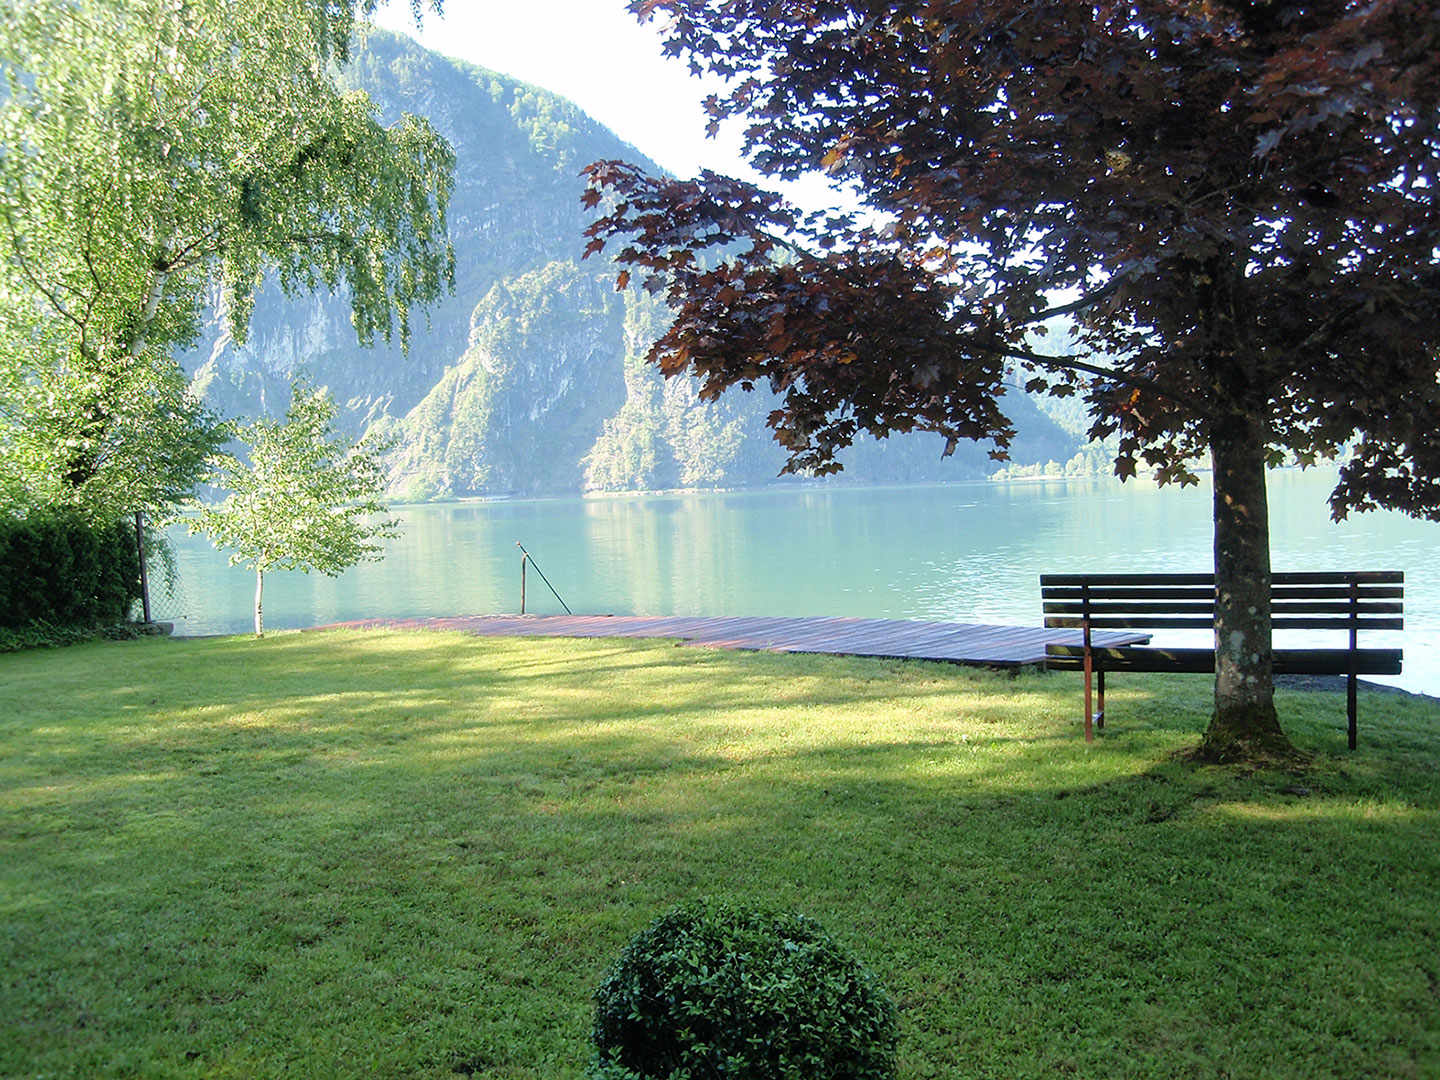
(144, 577)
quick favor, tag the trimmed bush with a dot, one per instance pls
(712, 990)
(117, 582)
(59, 571)
(39, 635)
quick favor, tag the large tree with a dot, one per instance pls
(1235, 201)
(155, 154)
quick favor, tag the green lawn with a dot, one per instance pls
(413, 855)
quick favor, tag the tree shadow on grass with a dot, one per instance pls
(416, 876)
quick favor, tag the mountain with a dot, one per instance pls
(530, 378)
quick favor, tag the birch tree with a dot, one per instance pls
(301, 498)
(154, 151)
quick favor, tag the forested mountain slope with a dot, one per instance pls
(530, 378)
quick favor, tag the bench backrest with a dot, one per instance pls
(1329, 600)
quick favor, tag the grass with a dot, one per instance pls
(413, 855)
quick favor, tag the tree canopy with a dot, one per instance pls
(1234, 202)
(158, 154)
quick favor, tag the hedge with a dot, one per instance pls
(64, 572)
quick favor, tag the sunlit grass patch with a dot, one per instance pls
(389, 854)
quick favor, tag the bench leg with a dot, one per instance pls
(1100, 703)
(1089, 674)
(1351, 705)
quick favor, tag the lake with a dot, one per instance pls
(954, 552)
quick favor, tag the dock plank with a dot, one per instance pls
(979, 644)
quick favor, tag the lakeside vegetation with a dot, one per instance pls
(414, 854)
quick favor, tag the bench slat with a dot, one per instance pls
(1388, 600)
(1337, 576)
(1321, 607)
(1117, 621)
(1363, 578)
(1333, 592)
(1337, 661)
(1148, 658)
(1296, 622)
(1126, 579)
(1126, 592)
(1054, 607)
(1331, 599)
(1152, 658)
(1141, 622)
(1337, 612)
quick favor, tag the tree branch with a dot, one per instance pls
(153, 295)
(1088, 300)
(51, 293)
(1322, 333)
(1140, 382)
(206, 244)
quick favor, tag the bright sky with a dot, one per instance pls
(599, 56)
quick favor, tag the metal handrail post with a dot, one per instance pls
(530, 558)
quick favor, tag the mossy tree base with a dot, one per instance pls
(1248, 735)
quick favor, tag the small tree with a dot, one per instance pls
(303, 499)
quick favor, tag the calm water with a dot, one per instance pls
(954, 552)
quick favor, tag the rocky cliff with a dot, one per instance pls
(530, 378)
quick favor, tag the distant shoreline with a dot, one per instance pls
(800, 485)
(1144, 476)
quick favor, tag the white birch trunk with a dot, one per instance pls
(259, 592)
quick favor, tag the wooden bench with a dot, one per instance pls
(1338, 601)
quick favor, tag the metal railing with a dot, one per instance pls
(527, 558)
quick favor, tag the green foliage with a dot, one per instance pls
(1093, 459)
(128, 437)
(155, 151)
(550, 124)
(715, 990)
(193, 145)
(302, 500)
(62, 572)
(530, 395)
(43, 635)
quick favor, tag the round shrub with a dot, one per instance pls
(712, 990)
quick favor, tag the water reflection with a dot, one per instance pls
(953, 552)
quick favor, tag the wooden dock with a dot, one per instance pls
(959, 643)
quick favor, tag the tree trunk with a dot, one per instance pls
(1244, 724)
(88, 419)
(259, 592)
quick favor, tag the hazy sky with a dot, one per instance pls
(599, 56)
(594, 53)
